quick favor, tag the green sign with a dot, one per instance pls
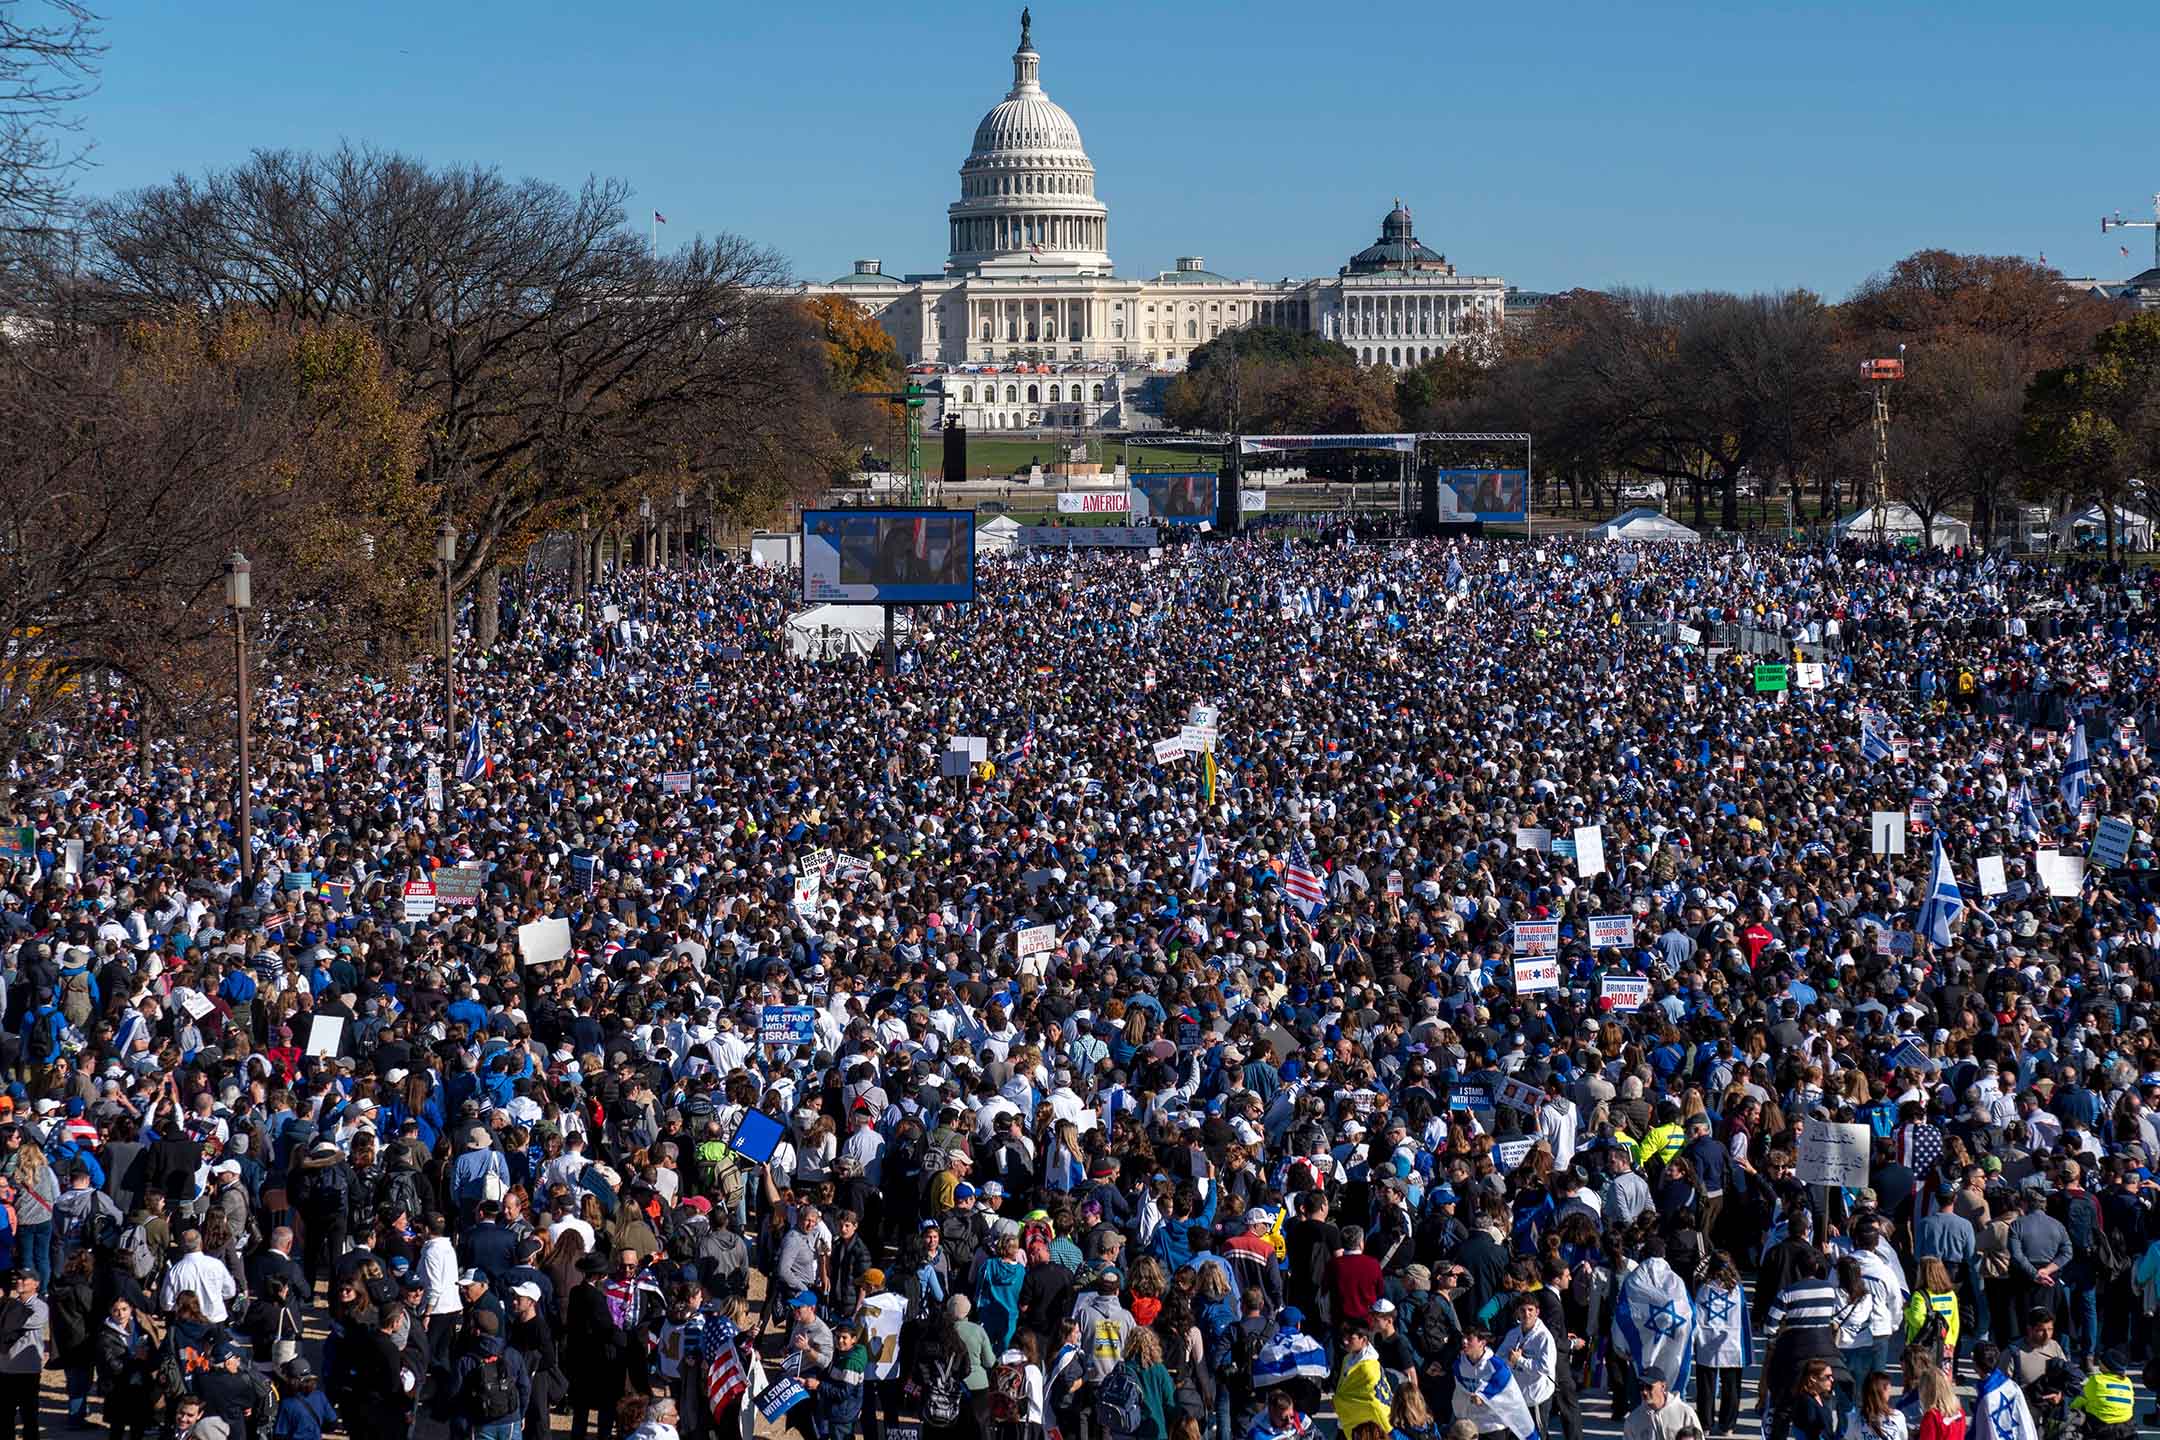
(18, 840)
(1769, 678)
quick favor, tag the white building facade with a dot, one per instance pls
(1029, 325)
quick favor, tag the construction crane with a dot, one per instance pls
(1880, 374)
(2116, 222)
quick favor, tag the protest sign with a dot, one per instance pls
(1909, 1056)
(1516, 1095)
(2062, 875)
(434, 787)
(585, 872)
(1507, 1154)
(1537, 937)
(1809, 676)
(806, 893)
(1394, 882)
(2111, 842)
(1689, 635)
(675, 782)
(1533, 837)
(1626, 992)
(544, 941)
(202, 1007)
(1834, 1154)
(1533, 976)
(458, 887)
(18, 842)
(71, 856)
(1034, 940)
(1993, 879)
(419, 901)
(1197, 739)
(1204, 716)
(324, 1035)
(1886, 830)
(756, 1136)
(1770, 679)
(787, 1025)
(1611, 930)
(1171, 749)
(1589, 850)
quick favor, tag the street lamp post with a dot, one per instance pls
(239, 598)
(682, 528)
(446, 553)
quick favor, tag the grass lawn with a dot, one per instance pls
(989, 456)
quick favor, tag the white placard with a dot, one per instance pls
(434, 787)
(544, 941)
(1516, 1095)
(1612, 931)
(1689, 635)
(1533, 976)
(1035, 940)
(1171, 749)
(1808, 675)
(1886, 829)
(806, 893)
(1533, 837)
(1536, 937)
(1627, 992)
(419, 901)
(1204, 716)
(199, 1005)
(1993, 880)
(71, 856)
(315, 763)
(1589, 850)
(2063, 875)
(1834, 1154)
(1507, 1154)
(1197, 739)
(2111, 842)
(324, 1035)
(675, 782)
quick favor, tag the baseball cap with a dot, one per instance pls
(528, 1290)
(806, 1297)
(472, 1277)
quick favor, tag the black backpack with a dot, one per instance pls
(947, 1397)
(1119, 1408)
(494, 1390)
(44, 1035)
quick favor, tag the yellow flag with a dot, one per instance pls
(1207, 777)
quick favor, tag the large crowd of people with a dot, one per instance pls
(1415, 988)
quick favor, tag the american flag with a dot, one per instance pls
(273, 925)
(1302, 883)
(658, 218)
(725, 1382)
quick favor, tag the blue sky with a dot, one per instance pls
(1663, 144)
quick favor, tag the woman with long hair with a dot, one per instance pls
(75, 1320)
(1942, 1415)
(1876, 1417)
(1856, 1315)
(1721, 1348)
(36, 1191)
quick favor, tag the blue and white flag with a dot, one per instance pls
(1724, 1336)
(2002, 1410)
(1203, 866)
(475, 764)
(1875, 746)
(2028, 819)
(1655, 1322)
(1943, 904)
(1290, 1355)
(1286, 547)
(1495, 1382)
(2077, 770)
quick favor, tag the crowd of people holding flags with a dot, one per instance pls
(1421, 990)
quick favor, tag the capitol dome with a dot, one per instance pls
(1027, 189)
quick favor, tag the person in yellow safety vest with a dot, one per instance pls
(1932, 1292)
(1666, 1136)
(2109, 1399)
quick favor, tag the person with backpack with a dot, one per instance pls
(838, 1388)
(84, 1218)
(1931, 1314)
(325, 1201)
(490, 1384)
(1015, 1410)
(41, 1029)
(937, 1376)
(1136, 1400)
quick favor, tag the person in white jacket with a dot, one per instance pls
(205, 1275)
(1530, 1352)
(439, 1272)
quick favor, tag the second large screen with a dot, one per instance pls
(1493, 495)
(888, 557)
(1178, 499)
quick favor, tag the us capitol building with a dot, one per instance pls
(1030, 325)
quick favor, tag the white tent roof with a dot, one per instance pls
(828, 632)
(1644, 524)
(1902, 522)
(997, 536)
(2129, 525)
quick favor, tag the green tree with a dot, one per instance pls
(2092, 426)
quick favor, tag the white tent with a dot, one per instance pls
(1644, 525)
(2132, 530)
(997, 537)
(1900, 523)
(832, 632)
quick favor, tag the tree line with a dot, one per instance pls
(2017, 389)
(320, 359)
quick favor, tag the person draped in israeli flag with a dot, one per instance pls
(1944, 901)
(2001, 1409)
(1485, 1390)
(1724, 1344)
(1293, 1358)
(1654, 1319)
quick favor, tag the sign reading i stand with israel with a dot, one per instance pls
(1834, 1155)
(1537, 937)
(1533, 976)
(787, 1025)
(1626, 992)
(1607, 931)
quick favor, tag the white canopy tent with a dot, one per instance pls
(1901, 522)
(833, 632)
(1646, 525)
(997, 537)
(2132, 530)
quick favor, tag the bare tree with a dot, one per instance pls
(560, 361)
(49, 53)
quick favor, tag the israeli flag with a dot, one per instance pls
(1203, 866)
(1504, 1403)
(2002, 1410)
(1290, 1355)
(474, 765)
(1874, 746)
(1655, 1321)
(1943, 901)
(1724, 1338)
(1286, 547)
(2028, 819)
(2077, 770)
